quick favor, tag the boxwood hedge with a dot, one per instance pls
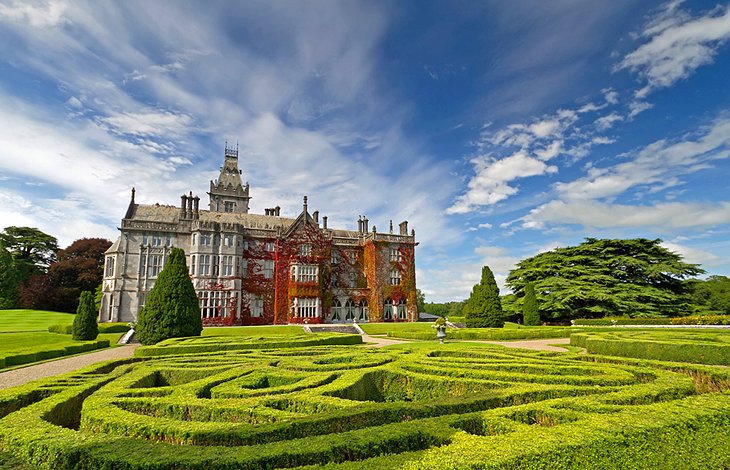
(299, 402)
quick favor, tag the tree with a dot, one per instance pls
(483, 308)
(32, 249)
(530, 311)
(85, 327)
(38, 293)
(8, 280)
(420, 301)
(172, 309)
(711, 295)
(79, 267)
(601, 277)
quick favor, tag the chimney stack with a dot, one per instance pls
(183, 203)
(196, 207)
(365, 222)
(324, 222)
(315, 216)
(359, 223)
(190, 206)
(403, 227)
(277, 209)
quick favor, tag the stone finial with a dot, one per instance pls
(304, 206)
(391, 227)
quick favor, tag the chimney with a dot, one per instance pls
(183, 202)
(267, 211)
(324, 222)
(277, 210)
(190, 205)
(391, 227)
(403, 227)
(315, 216)
(365, 222)
(304, 206)
(196, 207)
(359, 223)
(374, 230)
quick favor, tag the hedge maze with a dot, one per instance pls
(299, 402)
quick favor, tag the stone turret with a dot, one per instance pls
(227, 193)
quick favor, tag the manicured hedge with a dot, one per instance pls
(20, 358)
(702, 320)
(348, 407)
(703, 348)
(487, 334)
(610, 321)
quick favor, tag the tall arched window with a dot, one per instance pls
(402, 315)
(363, 311)
(388, 310)
(349, 310)
(336, 311)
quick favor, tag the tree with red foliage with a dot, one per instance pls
(80, 267)
(38, 293)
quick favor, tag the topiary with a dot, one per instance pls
(172, 309)
(85, 327)
(483, 308)
(530, 310)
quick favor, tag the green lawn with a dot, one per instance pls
(384, 328)
(31, 320)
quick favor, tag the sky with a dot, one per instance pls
(498, 129)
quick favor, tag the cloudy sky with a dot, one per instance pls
(497, 129)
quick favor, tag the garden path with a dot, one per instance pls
(61, 366)
(534, 344)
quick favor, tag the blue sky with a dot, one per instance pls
(497, 129)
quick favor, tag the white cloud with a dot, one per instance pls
(485, 226)
(150, 123)
(40, 14)
(677, 46)
(606, 122)
(691, 254)
(594, 214)
(658, 165)
(490, 184)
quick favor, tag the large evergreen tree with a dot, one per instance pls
(8, 280)
(32, 249)
(530, 311)
(483, 309)
(172, 309)
(85, 326)
(636, 277)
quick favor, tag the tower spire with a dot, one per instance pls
(228, 194)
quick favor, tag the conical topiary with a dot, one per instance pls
(172, 309)
(85, 326)
(530, 311)
(484, 308)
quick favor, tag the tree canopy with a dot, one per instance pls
(32, 250)
(172, 309)
(711, 295)
(79, 267)
(483, 308)
(600, 277)
(8, 280)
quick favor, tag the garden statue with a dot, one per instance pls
(440, 325)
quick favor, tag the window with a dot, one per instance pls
(257, 306)
(306, 307)
(394, 277)
(336, 311)
(245, 244)
(363, 310)
(269, 246)
(110, 266)
(402, 309)
(156, 239)
(229, 206)
(395, 255)
(155, 265)
(388, 310)
(217, 303)
(243, 267)
(349, 310)
(335, 257)
(204, 265)
(305, 249)
(227, 265)
(268, 269)
(195, 238)
(205, 239)
(142, 264)
(229, 240)
(304, 273)
(192, 265)
(214, 271)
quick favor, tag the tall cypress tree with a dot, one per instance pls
(530, 311)
(172, 309)
(484, 309)
(85, 326)
(9, 280)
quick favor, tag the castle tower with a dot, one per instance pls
(227, 193)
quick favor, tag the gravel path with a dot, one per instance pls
(534, 344)
(62, 366)
(379, 342)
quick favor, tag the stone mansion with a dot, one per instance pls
(256, 269)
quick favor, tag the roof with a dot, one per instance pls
(171, 214)
(115, 246)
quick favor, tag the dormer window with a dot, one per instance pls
(229, 206)
(305, 249)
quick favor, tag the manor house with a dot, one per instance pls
(256, 269)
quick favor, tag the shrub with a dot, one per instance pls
(85, 327)
(172, 309)
(484, 309)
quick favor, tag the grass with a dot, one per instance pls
(32, 320)
(384, 328)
